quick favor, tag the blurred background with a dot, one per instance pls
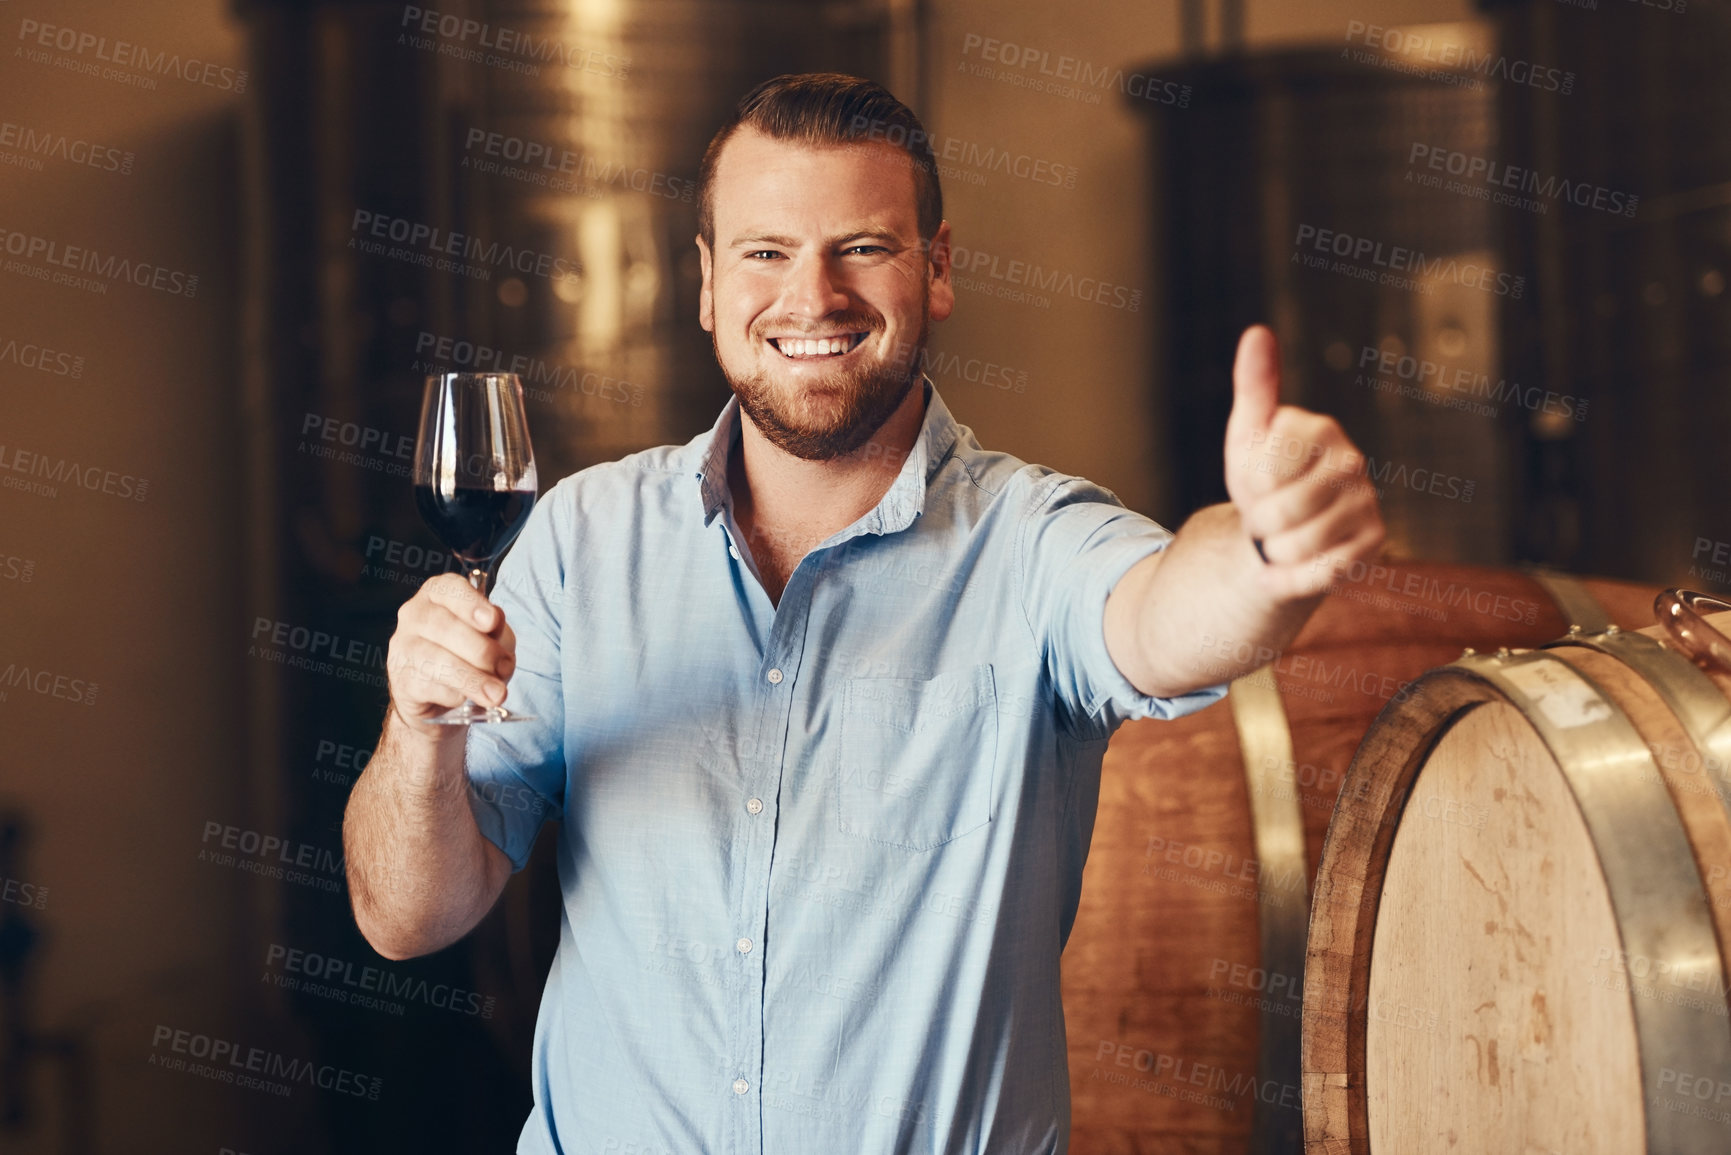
(1494, 240)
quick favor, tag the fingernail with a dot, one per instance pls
(496, 691)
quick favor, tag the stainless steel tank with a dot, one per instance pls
(463, 184)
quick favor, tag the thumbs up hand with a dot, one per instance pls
(1296, 481)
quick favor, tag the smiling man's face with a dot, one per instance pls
(818, 293)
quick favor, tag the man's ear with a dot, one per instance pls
(943, 290)
(706, 296)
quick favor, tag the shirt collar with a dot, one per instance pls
(901, 503)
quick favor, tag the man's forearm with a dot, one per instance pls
(1194, 614)
(420, 872)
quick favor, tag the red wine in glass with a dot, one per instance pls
(474, 522)
(475, 484)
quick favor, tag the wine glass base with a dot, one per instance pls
(469, 714)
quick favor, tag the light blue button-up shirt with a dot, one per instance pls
(818, 859)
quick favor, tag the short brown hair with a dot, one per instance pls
(829, 108)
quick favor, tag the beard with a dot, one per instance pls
(823, 421)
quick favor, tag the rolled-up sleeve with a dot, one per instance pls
(1075, 544)
(517, 769)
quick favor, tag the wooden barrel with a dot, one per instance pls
(1523, 910)
(1183, 974)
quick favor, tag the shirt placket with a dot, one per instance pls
(766, 739)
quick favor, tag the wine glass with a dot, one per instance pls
(475, 484)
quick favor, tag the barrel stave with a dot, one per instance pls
(1367, 640)
(1611, 742)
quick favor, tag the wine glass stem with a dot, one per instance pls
(477, 579)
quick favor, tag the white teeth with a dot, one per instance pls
(808, 347)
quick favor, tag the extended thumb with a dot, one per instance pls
(1255, 382)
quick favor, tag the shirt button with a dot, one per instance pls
(755, 805)
(775, 677)
(743, 946)
(734, 552)
(740, 1086)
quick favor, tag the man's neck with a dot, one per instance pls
(785, 505)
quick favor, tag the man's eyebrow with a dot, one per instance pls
(888, 236)
(765, 239)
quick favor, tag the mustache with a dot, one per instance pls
(834, 323)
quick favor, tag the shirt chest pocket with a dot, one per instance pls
(918, 755)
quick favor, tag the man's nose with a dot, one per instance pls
(812, 289)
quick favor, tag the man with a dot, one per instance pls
(821, 695)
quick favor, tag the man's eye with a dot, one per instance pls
(867, 249)
(761, 253)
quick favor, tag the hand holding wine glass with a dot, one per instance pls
(475, 485)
